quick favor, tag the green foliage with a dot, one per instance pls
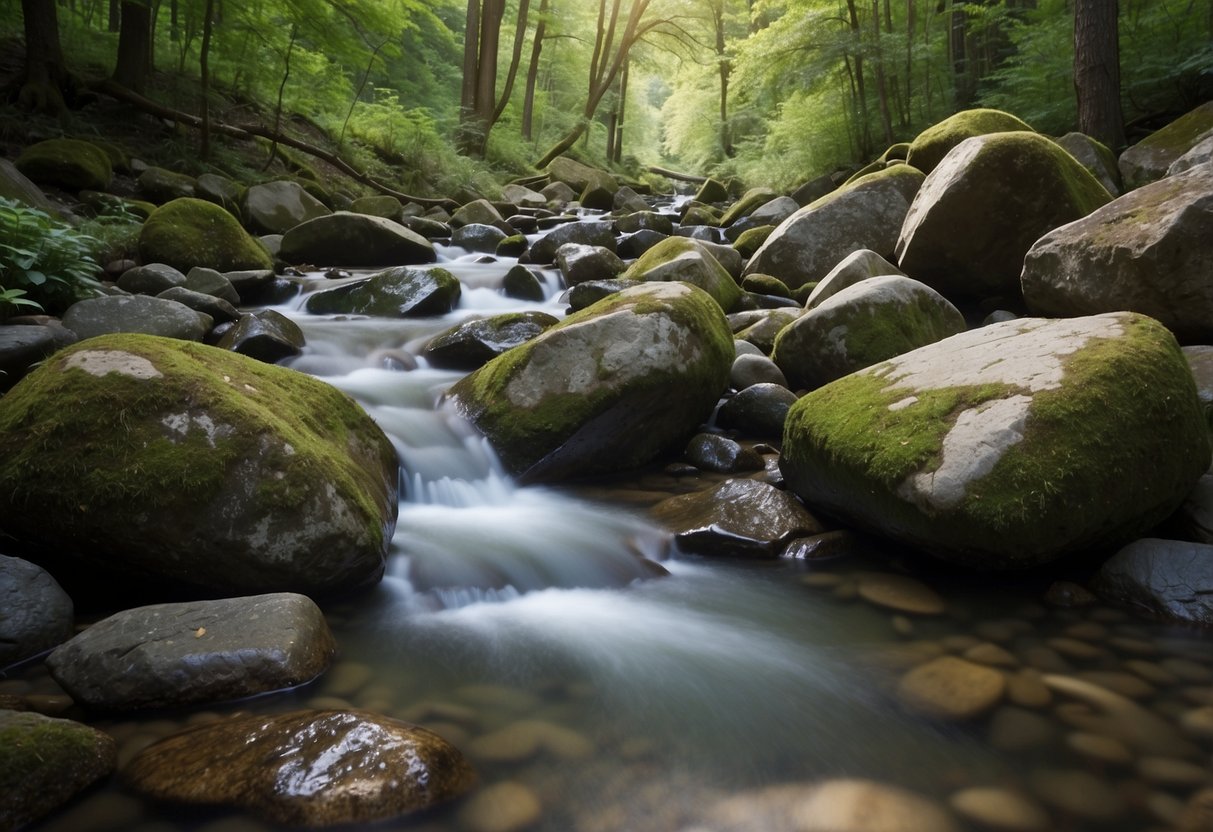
(45, 259)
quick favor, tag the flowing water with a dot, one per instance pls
(527, 626)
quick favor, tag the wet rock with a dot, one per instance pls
(527, 738)
(1119, 717)
(749, 370)
(1078, 793)
(1149, 159)
(1148, 251)
(899, 592)
(136, 313)
(1171, 579)
(186, 233)
(150, 279)
(951, 689)
(739, 518)
(634, 245)
(580, 263)
(471, 344)
(44, 762)
(1015, 729)
(1000, 809)
(278, 481)
(592, 393)
(867, 448)
(713, 452)
(478, 237)
(35, 613)
(394, 293)
(211, 282)
(513, 246)
(583, 233)
(277, 207)
(266, 335)
(844, 805)
(21, 347)
(476, 212)
(168, 655)
(502, 807)
(305, 768)
(1099, 749)
(758, 411)
(584, 295)
(522, 284)
(750, 201)
(217, 309)
(833, 544)
(355, 240)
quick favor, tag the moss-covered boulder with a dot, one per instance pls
(224, 192)
(931, 145)
(687, 260)
(592, 394)
(73, 164)
(873, 320)
(1149, 159)
(1007, 446)
(867, 214)
(379, 205)
(277, 207)
(159, 185)
(1149, 251)
(189, 465)
(305, 768)
(752, 239)
(981, 209)
(1200, 153)
(473, 343)
(392, 293)
(44, 762)
(579, 176)
(1095, 156)
(193, 232)
(750, 201)
(856, 266)
(355, 240)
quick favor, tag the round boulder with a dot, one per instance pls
(686, 260)
(73, 164)
(35, 612)
(393, 293)
(931, 145)
(193, 232)
(277, 207)
(1151, 158)
(136, 313)
(356, 241)
(1172, 579)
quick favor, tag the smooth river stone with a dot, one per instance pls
(1198, 722)
(1026, 689)
(501, 807)
(951, 688)
(1126, 684)
(1099, 748)
(1000, 809)
(1166, 771)
(522, 740)
(1015, 729)
(307, 768)
(1077, 793)
(990, 654)
(900, 593)
(1120, 717)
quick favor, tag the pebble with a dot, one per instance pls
(1135, 646)
(845, 805)
(990, 654)
(1015, 729)
(1087, 631)
(1150, 672)
(900, 593)
(498, 696)
(1025, 688)
(456, 735)
(1198, 723)
(1197, 695)
(1044, 659)
(524, 739)
(1075, 648)
(1126, 684)
(951, 688)
(441, 711)
(1167, 771)
(1099, 748)
(49, 704)
(821, 580)
(502, 807)
(1122, 718)
(1077, 793)
(1165, 807)
(958, 643)
(900, 657)
(846, 591)
(1000, 809)
(346, 678)
(1186, 670)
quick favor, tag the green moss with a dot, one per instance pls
(69, 163)
(750, 202)
(44, 761)
(752, 239)
(885, 334)
(872, 167)
(931, 145)
(896, 153)
(765, 284)
(704, 272)
(1178, 137)
(906, 178)
(193, 232)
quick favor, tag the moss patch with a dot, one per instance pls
(702, 269)
(68, 163)
(750, 202)
(931, 145)
(193, 232)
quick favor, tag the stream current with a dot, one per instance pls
(501, 625)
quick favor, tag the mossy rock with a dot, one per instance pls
(190, 232)
(752, 239)
(44, 762)
(220, 190)
(355, 241)
(472, 344)
(1095, 157)
(712, 190)
(750, 201)
(765, 284)
(277, 207)
(72, 164)
(393, 293)
(700, 215)
(1149, 159)
(579, 176)
(592, 394)
(117, 450)
(159, 185)
(1008, 446)
(931, 145)
(896, 153)
(870, 321)
(984, 206)
(104, 203)
(856, 266)
(684, 259)
(379, 205)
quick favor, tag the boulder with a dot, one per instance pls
(751, 240)
(634, 245)
(870, 321)
(931, 145)
(356, 241)
(16, 185)
(252, 285)
(765, 326)
(521, 283)
(1095, 157)
(1200, 153)
(217, 309)
(136, 313)
(160, 186)
(749, 370)
(210, 282)
(44, 762)
(721, 455)
(394, 293)
(1169, 579)
(587, 294)
(277, 207)
(266, 335)
(1007, 446)
(866, 214)
(35, 612)
(984, 206)
(644, 219)
(558, 193)
(758, 411)
(476, 212)
(592, 394)
(224, 192)
(72, 164)
(379, 205)
(1151, 158)
(169, 655)
(584, 233)
(750, 201)
(428, 228)
(1149, 251)
(814, 189)
(740, 518)
(856, 266)
(193, 232)
(473, 343)
(580, 263)
(150, 279)
(188, 465)
(578, 176)
(475, 236)
(688, 261)
(712, 190)
(22, 346)
(773, 212)
(523, 196)
(305, 768)
(597, 198)
(626, 200)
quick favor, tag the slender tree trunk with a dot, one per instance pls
(204, 67)
(911, 15)
(882, 90)
(623, 112)
(515, 60)
(725, 68)
(134, 46)
(115, 15)
(865, 130)
(174, 28)
(46, 77)
(286, 74)
(963, 74)
(532, 73)
(1097, 71)
(467, 91)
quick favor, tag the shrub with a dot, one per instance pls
(48, 261)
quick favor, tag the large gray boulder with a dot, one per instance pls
(689, 261)
(1151, 158)
(193, 466)
(305, 768)
(394, 293)
(136, 313)
(168, 655)
(1149, 251)
(1171, 579)
(856, 266)
(981, 209)
(1007, 446)
(584, 233)
(865, 214)
(580, 176)
(277, 207)
(355, 240)
(592, 394)
(1095, 157)
(873, 320)
(35, 612)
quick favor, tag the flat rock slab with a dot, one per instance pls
(305, 768)
(952, 689)
(136, 313)
(201, 651)
(899, 592)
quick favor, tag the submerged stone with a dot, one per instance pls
(394, 293)
(471, 344)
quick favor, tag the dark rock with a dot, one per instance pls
(758, 411)
(749, 370)
(136, 313)
(1169, 579)
(160, 186)
(580, 263)
(644, 221)
(713, 452)
(398, 292)
(35, 612)
(825, 546)
(21, 347)
(355, 240)
(587, 294)
(477, 237)
(277, 207)
(218, 309)
(522, 284)
(473, 343)
(585, 233)
(636, 244)
(597, 198)
(68, 163)
(712, 190)
(250, 284)
(512, 246)
(429, 228)
(151, 279)
(211, 282)
(266, 335)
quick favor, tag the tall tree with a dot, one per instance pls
(134, 46)
(204, 66)
(1097, 71)
(47, 83)
(479, 89)
(532, 72)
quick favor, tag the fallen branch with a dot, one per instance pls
(248, 131)
(681, 177)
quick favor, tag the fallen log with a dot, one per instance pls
(681, 177)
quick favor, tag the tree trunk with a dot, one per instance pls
(174, 28)
(134, 46)
(911, 14)
(115, 15)
(47, 83)
(204, 71)
(882, 89)
(726, 69)
(623, 113)
(515, 60)
(532, 73)
(958, 53)
(1097, 71)
(481, 46)
(467, 90)
(861, 93)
